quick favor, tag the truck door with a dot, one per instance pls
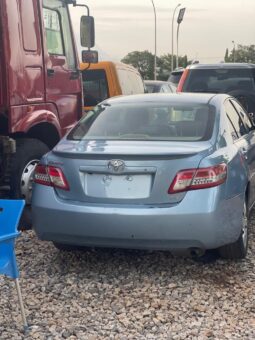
(63, 86)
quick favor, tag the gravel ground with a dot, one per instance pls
(123, 294)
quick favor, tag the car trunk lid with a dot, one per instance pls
(125, 172)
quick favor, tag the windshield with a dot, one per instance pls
(220, 80)
(95, 88)
(146, 121)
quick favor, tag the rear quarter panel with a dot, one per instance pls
(225, 151)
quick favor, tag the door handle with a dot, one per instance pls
(50, 72)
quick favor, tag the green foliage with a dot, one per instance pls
(165, 65)
(144, 62)
(242, 54)
(226, 58)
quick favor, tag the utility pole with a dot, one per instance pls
(155, 41)
(172, 61)
(179, 20)
(234, 50)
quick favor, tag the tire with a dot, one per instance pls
(28, 154)
(238, 249)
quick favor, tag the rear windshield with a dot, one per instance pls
(220, 80)
(95, 88)
(147, 121)
(175, 77)
(152, 88)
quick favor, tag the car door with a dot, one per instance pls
(250, 137)
(243, 137)
(63, 86)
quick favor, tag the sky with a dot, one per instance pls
(208, 28)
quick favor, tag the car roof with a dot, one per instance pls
(222, 65)
(196, 98)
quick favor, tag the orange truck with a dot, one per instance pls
(108, 79)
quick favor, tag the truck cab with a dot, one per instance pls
(40, 87)
(107, 79)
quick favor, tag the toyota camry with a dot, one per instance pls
(153, 171)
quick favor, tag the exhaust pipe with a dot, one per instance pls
(196, 252)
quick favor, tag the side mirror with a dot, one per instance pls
(87, 31)
(90, 57)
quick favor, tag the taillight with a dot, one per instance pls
(182, 80)
(193, 179)
(41, 175)
(50, 176)
(57, 178)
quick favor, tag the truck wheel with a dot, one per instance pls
(238, 249)
(28, 153)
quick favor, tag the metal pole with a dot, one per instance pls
(172, 61)
(155, 41)
(234, 51)
(177, 46)
(21, 304)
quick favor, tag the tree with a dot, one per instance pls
(226, 58)
(143, 61)
(165, 64)
(242, 54)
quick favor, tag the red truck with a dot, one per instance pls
(40, 85)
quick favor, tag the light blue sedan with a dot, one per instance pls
(153, 171)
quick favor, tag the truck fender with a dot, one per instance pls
(34, 118)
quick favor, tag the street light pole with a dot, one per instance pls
(179, 20)
(172, 61)
(177, 46)
(155, 41)
(234, 51)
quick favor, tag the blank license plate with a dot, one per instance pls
(121, 186)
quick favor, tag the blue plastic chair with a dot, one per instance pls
(10, 212)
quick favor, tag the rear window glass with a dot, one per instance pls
(146, 122)
(220, 80)
(95, 87)
(175, 77)
(152, 88)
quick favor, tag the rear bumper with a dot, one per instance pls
(200, 220)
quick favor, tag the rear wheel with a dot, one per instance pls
(238, 249)
(27, 156)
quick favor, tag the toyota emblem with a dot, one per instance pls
(116, 165)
